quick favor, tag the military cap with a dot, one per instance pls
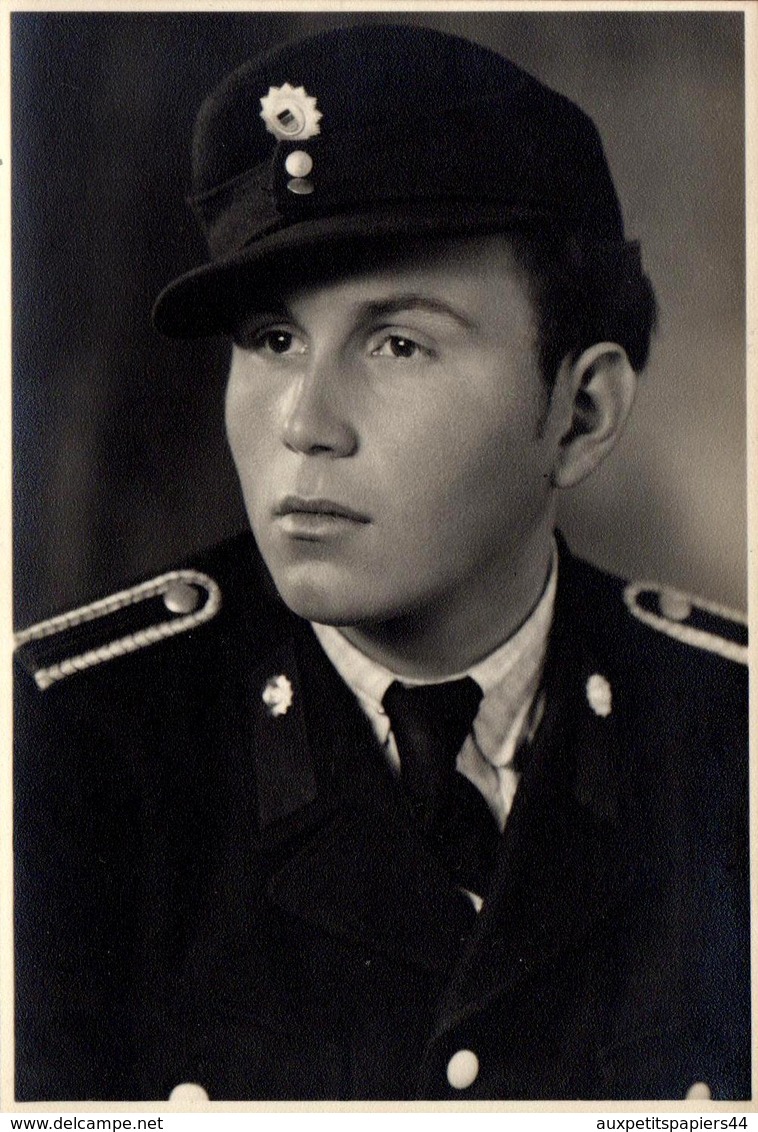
(377, 131)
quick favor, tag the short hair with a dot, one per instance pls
(585, 292)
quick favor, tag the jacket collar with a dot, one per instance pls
(561, 866)
(360, 869)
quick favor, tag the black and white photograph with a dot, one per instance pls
(380, 555)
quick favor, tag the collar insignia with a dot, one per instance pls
(290, 114)
(277, 695)
(599, 695)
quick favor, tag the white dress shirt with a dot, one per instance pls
(509, 678)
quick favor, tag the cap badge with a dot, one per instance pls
(290, 114)
(277, 695)
(599, 695)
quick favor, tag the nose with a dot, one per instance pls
(316, 417)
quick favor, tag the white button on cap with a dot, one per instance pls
(181, 598)
(463, 1069)
(188, 1095)
(298, 163)
(698, 1092)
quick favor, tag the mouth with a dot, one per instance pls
(321, 508)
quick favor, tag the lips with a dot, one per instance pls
(324, 508)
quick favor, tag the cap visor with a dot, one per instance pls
(210, 299)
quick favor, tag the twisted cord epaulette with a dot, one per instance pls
(674, 626)
(130, 643)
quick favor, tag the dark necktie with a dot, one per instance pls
(430, 723)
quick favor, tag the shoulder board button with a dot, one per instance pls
(119, 624)
(693, 621)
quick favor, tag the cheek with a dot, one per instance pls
(488, 481)
(237, 431)
(249, 437)
(247, 424)
(481, 445)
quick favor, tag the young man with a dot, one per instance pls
(393, 798)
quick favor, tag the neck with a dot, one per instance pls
(452, 635)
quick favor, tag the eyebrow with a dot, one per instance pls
(415, 301)
(369, 312)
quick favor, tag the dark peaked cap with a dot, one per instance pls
(395, 130)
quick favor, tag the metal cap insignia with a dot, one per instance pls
(290, 113)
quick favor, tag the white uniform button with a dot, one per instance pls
(699, 1091)
(181, 598)
(188, 1095)
(463, 1069)
(675, 606)
(475, 899)
(298, 163)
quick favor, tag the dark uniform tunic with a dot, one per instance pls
(219, 884)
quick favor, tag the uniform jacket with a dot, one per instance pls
(219, 880)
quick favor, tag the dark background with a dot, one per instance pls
(120, 459)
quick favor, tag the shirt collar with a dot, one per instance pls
(515, 665)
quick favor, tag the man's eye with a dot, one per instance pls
(278, 342)
(398, 346)
(268, 340)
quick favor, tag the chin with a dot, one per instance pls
(323, 608)
(338, 592)
(317, 599)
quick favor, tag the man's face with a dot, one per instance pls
(393, 438)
